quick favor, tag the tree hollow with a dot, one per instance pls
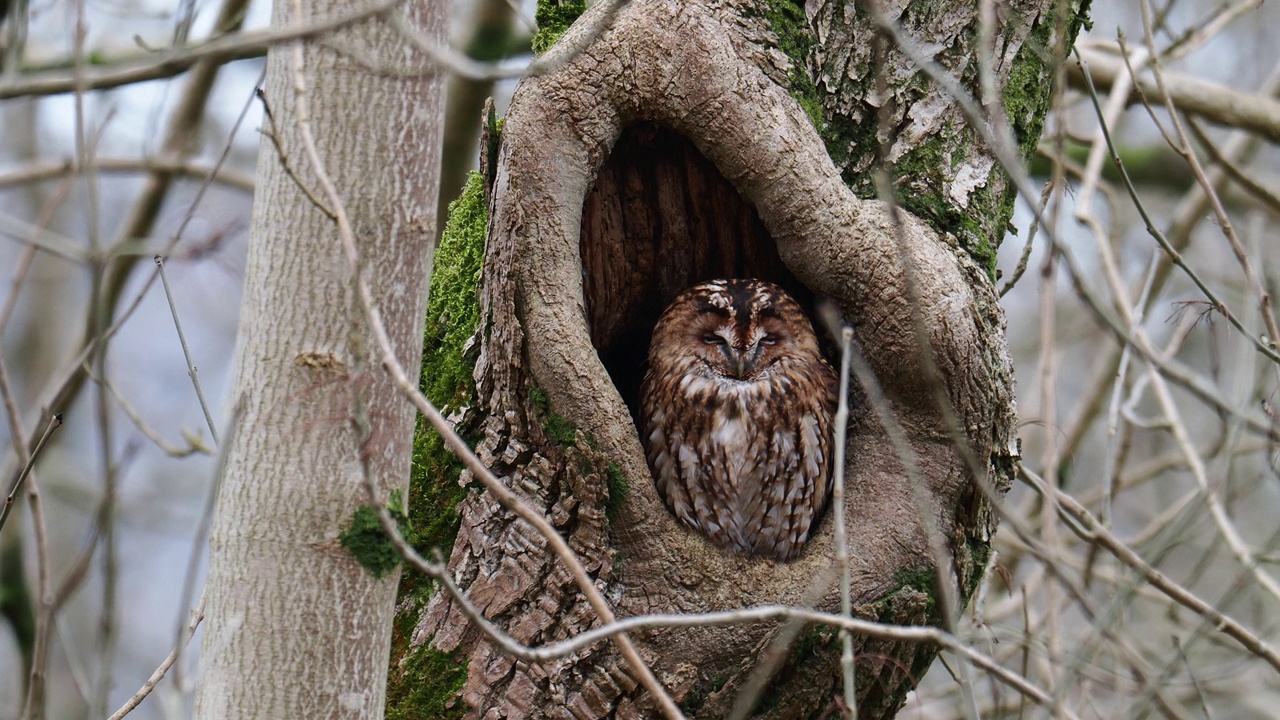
(661, 218)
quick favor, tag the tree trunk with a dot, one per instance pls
(295, 627)
(676, 146)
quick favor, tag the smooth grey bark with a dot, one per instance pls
(295, 627)
(666, 151)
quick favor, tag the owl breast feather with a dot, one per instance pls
(744, 480)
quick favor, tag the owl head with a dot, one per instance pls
(737, 329)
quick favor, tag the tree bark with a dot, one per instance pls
(295, 626)
(677, 146)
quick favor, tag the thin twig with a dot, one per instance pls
(34, 235)
(22, 267)
(446, 57)
(1225, 526)
(192, 372)
(1170, 369)
(55, 422)
(838, 510)
(201, 540)
(283, 157)
(44, 606)
(1093, 531)
(66, 384)
(1047, 376)
(1025, 257)
(1268, 197)
(195, 445)
(196, 616)
(1183, 147)
(1174, 256)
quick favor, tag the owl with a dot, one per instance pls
(736, 414)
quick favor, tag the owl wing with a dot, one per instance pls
(667, 453)
(798, 487)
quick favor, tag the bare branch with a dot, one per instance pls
(1211, 101)
(165, 64)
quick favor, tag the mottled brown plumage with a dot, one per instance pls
(736, 412)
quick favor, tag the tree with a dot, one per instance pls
(671, 142)
(344, 221)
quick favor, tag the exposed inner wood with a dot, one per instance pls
(659, 219)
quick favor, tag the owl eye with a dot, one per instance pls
(712, 339)
(769, 340)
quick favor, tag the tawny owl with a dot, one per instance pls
(736, 414)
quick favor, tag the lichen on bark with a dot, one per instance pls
(904, 124)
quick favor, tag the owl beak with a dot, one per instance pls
(739, 360)
(744, 360)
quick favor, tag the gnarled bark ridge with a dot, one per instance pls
(664, 152)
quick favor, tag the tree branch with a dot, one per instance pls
(1214, 102)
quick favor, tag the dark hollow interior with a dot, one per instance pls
(661, 218)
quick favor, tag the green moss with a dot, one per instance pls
(927, 161)
(921, 581)
(812, 643)
(557, 428)
(554, 17)
(453, 314)
(1082, 20)
(787, 20)
(435, 698)
(619, 486)
(1026, 96)
(453, 310)
(978, 554)
(921, 578)
(1026, 99)
(363, 537)
(844, 138)
(925, 171)
(424, 684)
(434, 492)
(981, 243)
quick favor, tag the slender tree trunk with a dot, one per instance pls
(679, 145)
(295, 627)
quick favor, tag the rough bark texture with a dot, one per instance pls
(882, 113)
(295, 627)
(670, 150)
